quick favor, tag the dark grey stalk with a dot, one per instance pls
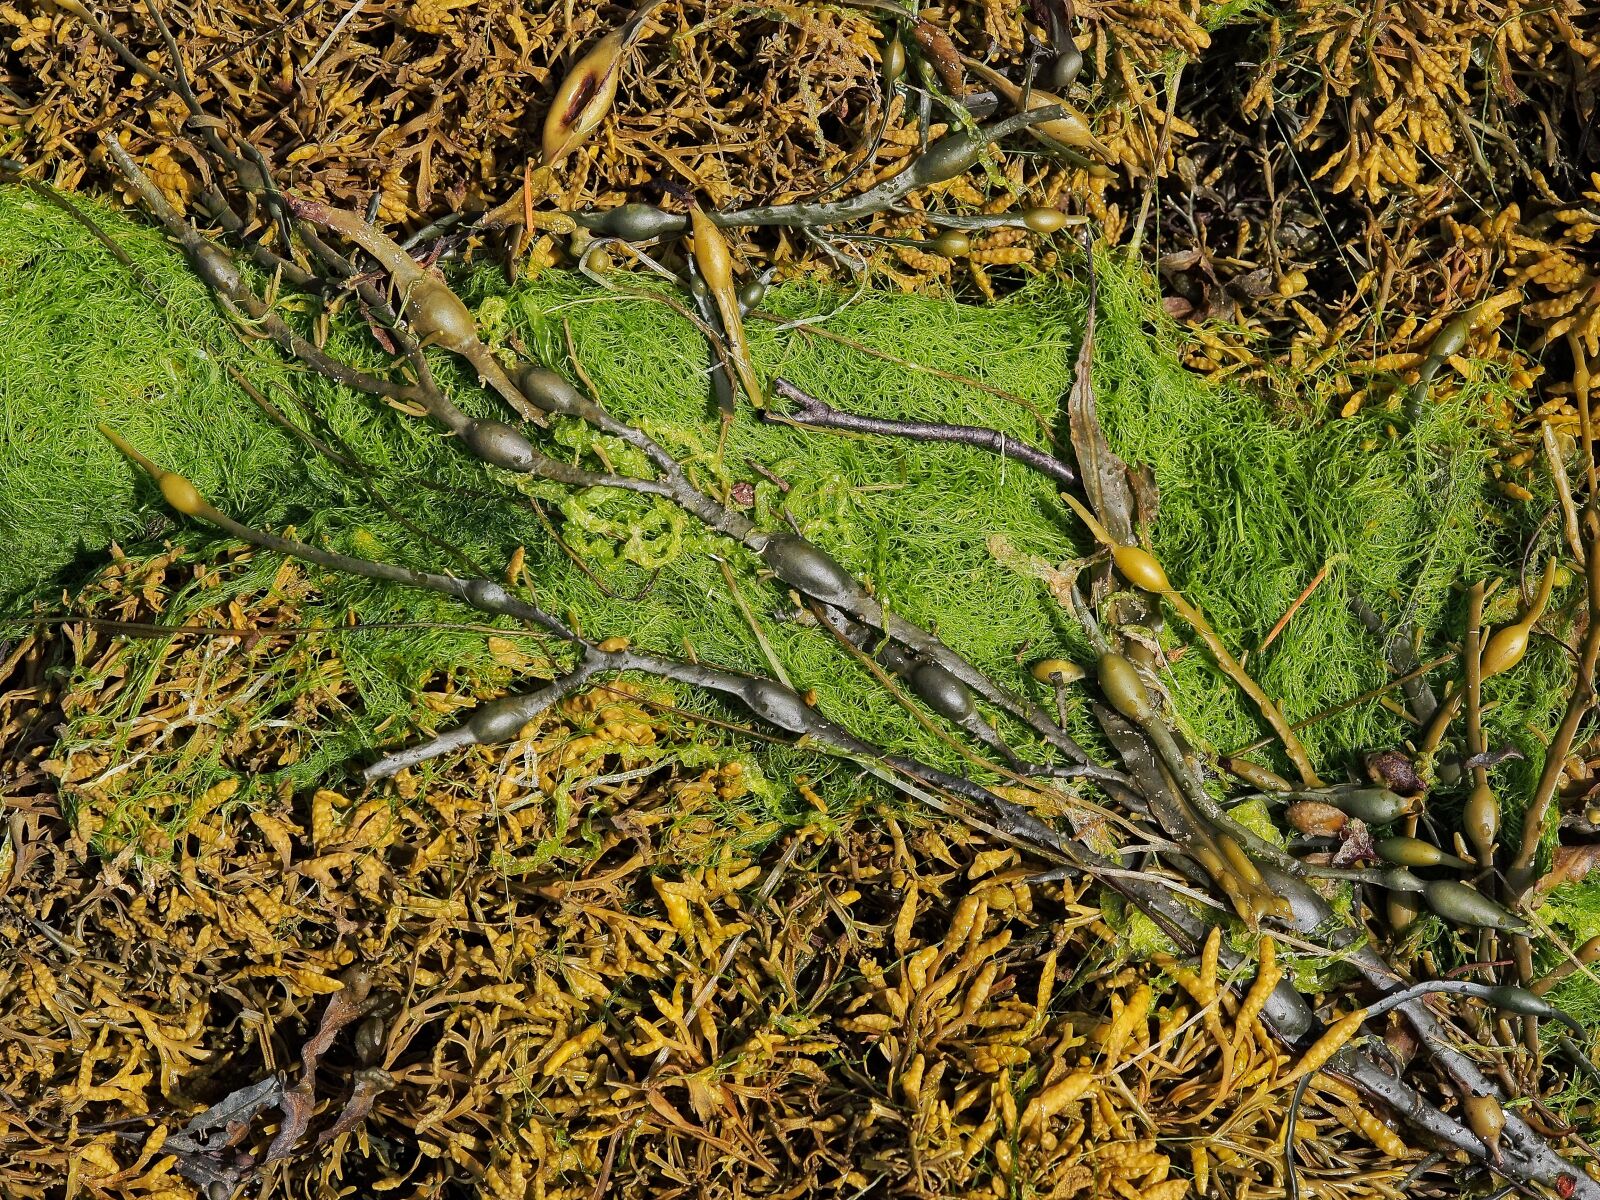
(812, 413)
(953, 154)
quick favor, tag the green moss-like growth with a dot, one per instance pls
(1252, 504)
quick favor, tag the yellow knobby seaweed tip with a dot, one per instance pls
(1333, 1039)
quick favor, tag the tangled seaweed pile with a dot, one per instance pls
(589, 955)
(1428, 983)
(1420, 181)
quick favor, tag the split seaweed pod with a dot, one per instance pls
(588, 91)
(583, 99)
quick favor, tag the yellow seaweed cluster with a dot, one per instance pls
(564, 961)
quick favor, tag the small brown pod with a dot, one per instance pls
(894, 61)
(1316, 820)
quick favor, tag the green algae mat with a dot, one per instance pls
(1254, 504)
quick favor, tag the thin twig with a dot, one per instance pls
(767, 651)
(1283, 621)
(333, 34)
(1137, 241)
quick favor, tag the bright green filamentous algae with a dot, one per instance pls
(1253, 504)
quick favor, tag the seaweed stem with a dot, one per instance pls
(811, 413)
